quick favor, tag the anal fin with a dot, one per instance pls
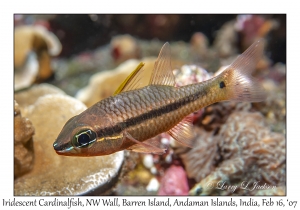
(183, 132)
(148, 146)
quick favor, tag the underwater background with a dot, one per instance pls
(66, 63)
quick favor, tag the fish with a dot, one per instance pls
(137, 112)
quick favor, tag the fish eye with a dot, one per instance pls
(84, 138)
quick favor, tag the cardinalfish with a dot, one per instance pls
(132, 117)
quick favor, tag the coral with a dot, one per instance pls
(249, 153)
(29, 97)
(23, 145)
(53, 174)
(201, 160)
(274, 107)
(215, 115)
(226, 38)
(190, 74)
(199, 48)
(252, 27)
(124, 47)
(174, 182)
(88, 53)
(34, 46)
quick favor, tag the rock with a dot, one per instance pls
(33, 48)
(53, 174)
(23, 144)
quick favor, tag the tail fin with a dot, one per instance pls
(241, 86)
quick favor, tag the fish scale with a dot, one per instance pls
(165, 102)
(135, 114)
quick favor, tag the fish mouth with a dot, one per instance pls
(64, 153)
(63, 149)
(57, 147)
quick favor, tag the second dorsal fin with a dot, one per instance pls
(162, 72)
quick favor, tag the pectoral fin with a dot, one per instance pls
(144, 147)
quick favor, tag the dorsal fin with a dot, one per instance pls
(162, 72)
(183, 132)
(132, 82)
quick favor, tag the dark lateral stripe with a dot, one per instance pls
(155, 112)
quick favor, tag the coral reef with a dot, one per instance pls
(23, 144)
(236, 147)
(60, 175)
(249, 152)
(34, 46)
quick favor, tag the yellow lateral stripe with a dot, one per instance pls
(132, 74)
(110, 138)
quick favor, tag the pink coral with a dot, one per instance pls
(174, 182)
